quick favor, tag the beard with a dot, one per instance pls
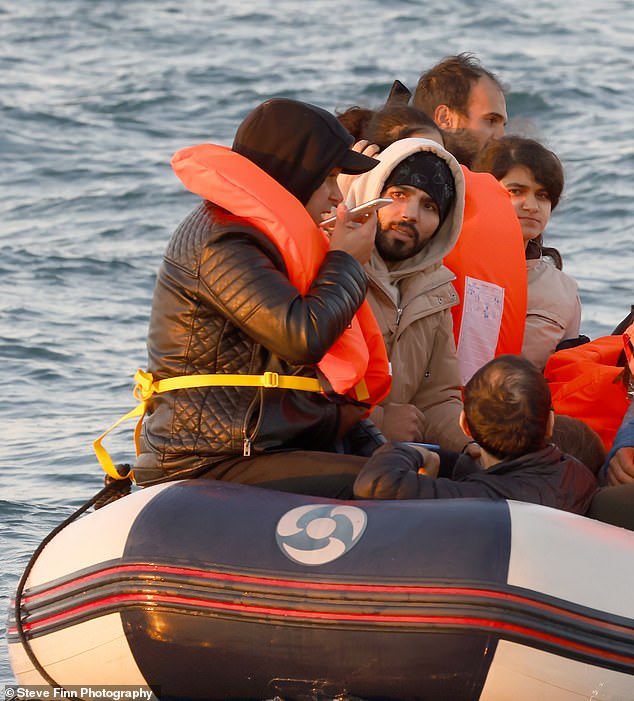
(393, 249)
(464, 144)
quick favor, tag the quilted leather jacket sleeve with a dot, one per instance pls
(245, 284)
(224, 304)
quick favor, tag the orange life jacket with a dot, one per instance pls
(357, 363)
(491, 248)
(586, 383)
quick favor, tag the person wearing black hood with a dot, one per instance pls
(263, 356)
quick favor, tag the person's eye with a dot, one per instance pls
(514, 191)
(543, 196)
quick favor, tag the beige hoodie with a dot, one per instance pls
(412, 302)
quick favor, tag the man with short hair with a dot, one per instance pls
(507, 410)
(410, 290)
(467, 102)
(459, 93)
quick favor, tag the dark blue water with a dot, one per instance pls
(96, 95)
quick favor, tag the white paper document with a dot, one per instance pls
(480, 326)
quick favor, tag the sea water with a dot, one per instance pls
(95, 97)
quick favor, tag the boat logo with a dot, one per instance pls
(317, 534)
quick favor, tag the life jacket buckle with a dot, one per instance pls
(270, 379)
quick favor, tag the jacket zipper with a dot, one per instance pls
(247, 440)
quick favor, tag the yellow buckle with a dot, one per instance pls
(270, 379)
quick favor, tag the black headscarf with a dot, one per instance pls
(298, 145)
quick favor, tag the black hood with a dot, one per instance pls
(298, 144)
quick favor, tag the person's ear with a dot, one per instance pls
(463, 424)
(444, 117)
(550, 425)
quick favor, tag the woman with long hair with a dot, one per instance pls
(534, 178)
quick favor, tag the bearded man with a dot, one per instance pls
(410, 289)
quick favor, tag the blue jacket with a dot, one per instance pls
(624, 438)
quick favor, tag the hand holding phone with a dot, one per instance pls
(353, 237)
(361, 209)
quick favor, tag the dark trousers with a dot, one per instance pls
(300, 471)
(614, 505)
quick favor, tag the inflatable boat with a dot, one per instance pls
(208, 590)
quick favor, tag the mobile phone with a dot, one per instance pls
(360, 209)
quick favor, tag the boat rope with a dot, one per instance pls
(112, 490)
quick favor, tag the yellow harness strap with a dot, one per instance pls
(146, 386)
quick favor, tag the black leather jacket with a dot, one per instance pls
(224, 304)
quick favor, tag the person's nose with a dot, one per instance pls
(410, 210)
(530, 203)
(336, 195)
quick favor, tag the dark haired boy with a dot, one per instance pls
(507, 410)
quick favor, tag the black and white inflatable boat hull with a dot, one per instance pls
(209, 590)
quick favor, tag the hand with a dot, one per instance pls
(621, 467)
(365, 147)
(473, 450)
(403, 422)
(353, 237)
(431, 462)
(368, 149)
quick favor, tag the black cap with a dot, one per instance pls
(298, 145)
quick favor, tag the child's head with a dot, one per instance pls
(507, 407)
(395, 122)
(576, 438)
